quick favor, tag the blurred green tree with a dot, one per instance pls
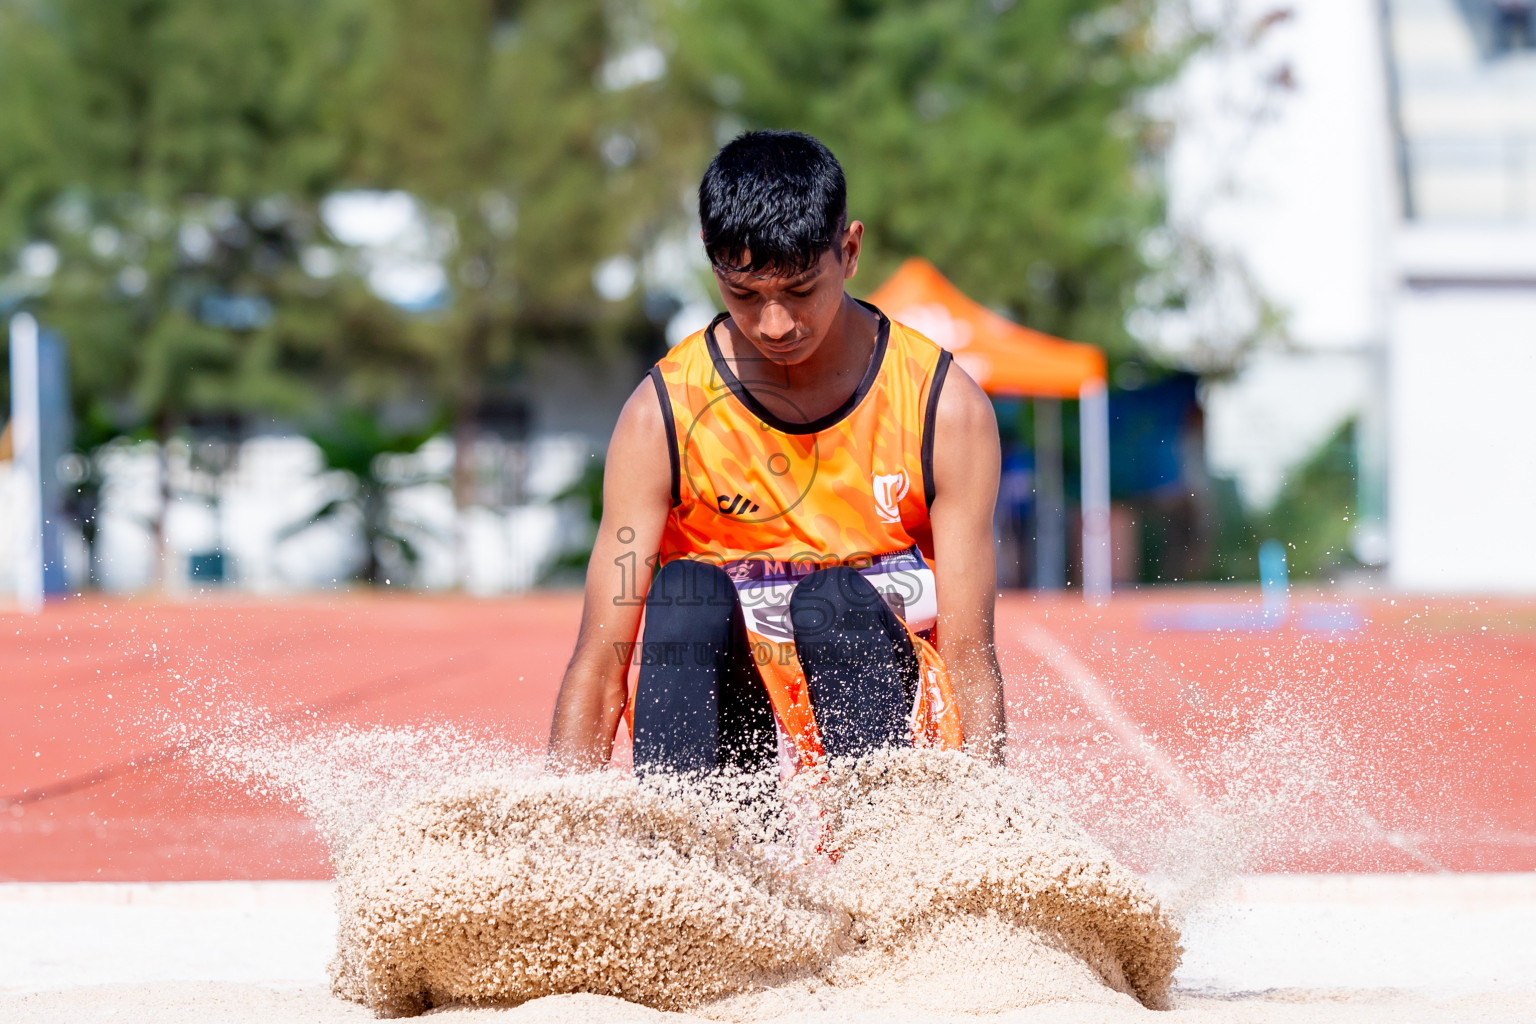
(356, 445)
(165, 161)
(1006, 142)
(542, 136)
(1313, 516)
(1315, 511)
(159, 180)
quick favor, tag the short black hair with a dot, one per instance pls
(771, 203)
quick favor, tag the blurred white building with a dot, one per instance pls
(1373, 164)
(1462, 355)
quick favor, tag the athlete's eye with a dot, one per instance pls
(802, 293)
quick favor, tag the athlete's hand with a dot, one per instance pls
(967, 460)
(637, 494)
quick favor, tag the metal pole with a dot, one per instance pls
(1050, 498)
(1093, 410)
(26, 442)
(1370, 538)
(1408, 205)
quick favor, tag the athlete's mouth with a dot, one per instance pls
(780, 347)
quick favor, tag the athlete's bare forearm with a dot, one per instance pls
(587, 712)
(978, 686)
(594, 689)
(636, 496)
(966, 466)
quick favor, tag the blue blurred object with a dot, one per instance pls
(1146, 426)
(1016, 486)
(1273, 612)
(42, 435)
(58, 440)
(1273, 581)
(235, 312)
(206, 567)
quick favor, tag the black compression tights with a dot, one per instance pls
(700, 704)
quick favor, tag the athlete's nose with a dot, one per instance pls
(775, 323)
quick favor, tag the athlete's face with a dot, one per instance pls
(788, 318)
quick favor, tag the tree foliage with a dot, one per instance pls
(162, 168)
(1314, 515)
(354, 444)
(165, 163)
(500, 117)
(1003, 141)
(171, 155)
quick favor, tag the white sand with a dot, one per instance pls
(229, 1003)
(1421, 948)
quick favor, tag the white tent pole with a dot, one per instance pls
(1050, 498)
(1093, 412)
(26, 443)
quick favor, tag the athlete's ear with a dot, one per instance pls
(853, 244)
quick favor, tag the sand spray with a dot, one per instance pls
(467, 875)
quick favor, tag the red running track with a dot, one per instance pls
(1403, 745)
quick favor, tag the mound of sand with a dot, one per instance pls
(504, 889)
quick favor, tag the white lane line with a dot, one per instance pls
(1093, 693)
(1376, 830)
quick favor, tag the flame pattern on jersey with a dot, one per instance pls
(772, 500)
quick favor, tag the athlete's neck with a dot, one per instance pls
(808, 390)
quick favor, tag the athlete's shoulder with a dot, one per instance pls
(965, 412)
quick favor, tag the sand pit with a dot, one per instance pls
(1279, 949)
(506, 889)
(207, 1003)
(471, 884)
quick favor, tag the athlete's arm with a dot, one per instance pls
(967, 460)
(637, 493)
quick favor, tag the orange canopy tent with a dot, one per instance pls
(1001, 356)
(1007, 359)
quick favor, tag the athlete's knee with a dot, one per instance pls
(688, 614)
(838, 597)
(686, 582)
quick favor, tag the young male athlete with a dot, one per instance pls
(803, 494)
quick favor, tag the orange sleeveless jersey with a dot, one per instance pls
(773, 500)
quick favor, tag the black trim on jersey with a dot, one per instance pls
(930, 416)
(831, 419)
(671, 425)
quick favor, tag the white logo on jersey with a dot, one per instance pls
(889, 490)
(936, 703)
